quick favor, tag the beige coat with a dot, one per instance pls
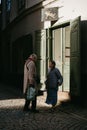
(29, 73)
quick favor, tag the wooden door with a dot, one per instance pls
(66, 58)
(57, 48)
(75, 70)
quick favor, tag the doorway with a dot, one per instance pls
(61, 54)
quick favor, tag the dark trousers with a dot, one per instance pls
(33, 104)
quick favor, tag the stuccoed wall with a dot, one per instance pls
(27, 25)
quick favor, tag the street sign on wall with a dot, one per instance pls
(50, 14)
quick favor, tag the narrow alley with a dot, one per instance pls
(65, 116)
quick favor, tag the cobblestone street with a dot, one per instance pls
(64, 117)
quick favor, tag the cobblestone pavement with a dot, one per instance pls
(63, 117)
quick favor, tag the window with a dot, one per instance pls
(21, 4)
(8, 5)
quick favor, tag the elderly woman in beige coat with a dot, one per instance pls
(29, 81)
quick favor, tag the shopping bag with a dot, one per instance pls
(31, 92)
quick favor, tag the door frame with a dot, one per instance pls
(68, 23)
(60, 26)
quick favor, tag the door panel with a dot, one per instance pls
(57, 48)
(66, 58)
(75, 57)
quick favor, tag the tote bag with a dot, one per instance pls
(31, 92)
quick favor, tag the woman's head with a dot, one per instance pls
(52, 64)
(33, 57)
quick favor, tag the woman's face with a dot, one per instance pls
(51, 65)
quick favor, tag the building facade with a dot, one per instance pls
(53, 29)
(0, 22)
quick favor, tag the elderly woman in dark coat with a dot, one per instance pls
(52, 83)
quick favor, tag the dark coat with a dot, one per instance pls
(53, 77)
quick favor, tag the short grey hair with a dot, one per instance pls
(33, 56)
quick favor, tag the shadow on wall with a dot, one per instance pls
(10, 92)
(13, 80)
(21, 49)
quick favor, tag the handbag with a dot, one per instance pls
(60, 80)
(31, 92)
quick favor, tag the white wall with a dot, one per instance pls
(27, 25)
(69, 9)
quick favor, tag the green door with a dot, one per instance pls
(40, 50)
(75, 57)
